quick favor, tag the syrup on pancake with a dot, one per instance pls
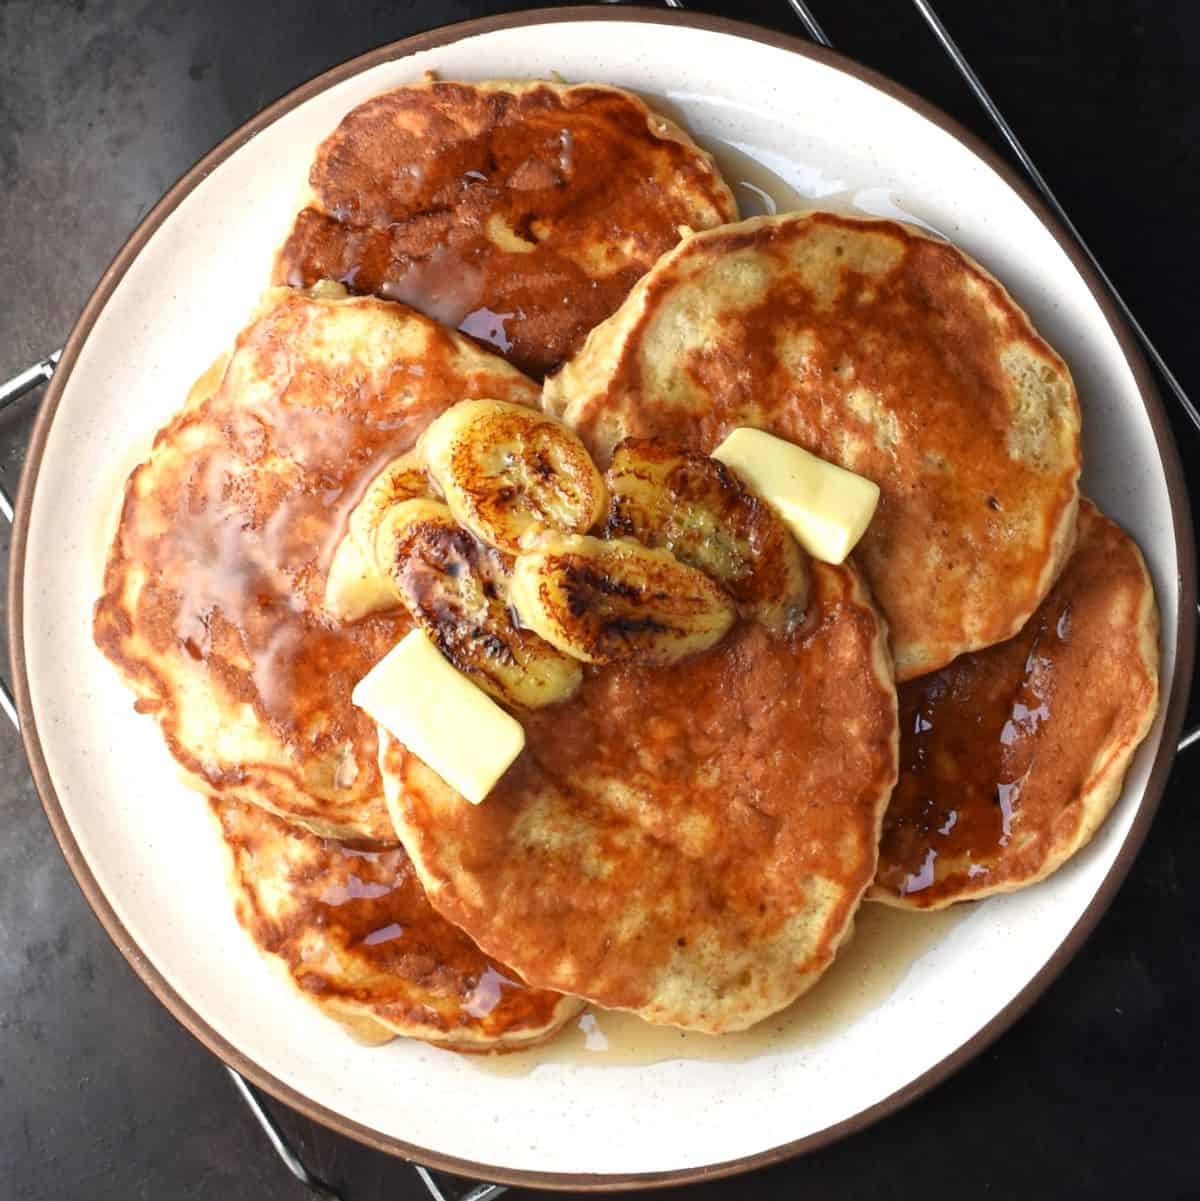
(520, 212)
(1011, 757)
(212, 601)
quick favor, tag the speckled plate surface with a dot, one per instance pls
(806, 127)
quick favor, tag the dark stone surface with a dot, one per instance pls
(102, 1095)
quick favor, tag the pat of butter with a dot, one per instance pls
(827, 507)
(446, 721)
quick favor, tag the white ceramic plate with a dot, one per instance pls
(142, 845)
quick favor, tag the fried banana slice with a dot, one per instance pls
(696, 508)
(507, 470)
(613, 601)
(355, 587)
(456, 590)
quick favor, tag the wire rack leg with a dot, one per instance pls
(810, 22)
(318, 1188)
(280, 1145)
(25, 381)
(481, 1192)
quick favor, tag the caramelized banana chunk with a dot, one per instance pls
(355, 587)
(507, 471)
(701, 512)
(612, 601)
(456, 590)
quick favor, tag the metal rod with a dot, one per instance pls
(9, 705)
(32, 377)
(481, 1192)
(294, 1165)
(12, 390)
(16, 387)
(485, 1192)
(431, 1185)
(818, 35)
(989, 105)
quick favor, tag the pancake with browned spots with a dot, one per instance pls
(212, 597)
(688, 842)
(1012, 757)
(881, 349)
(520, 211)
(355, 935)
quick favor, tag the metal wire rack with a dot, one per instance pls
(32, 378)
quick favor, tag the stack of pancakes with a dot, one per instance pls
(690, 842)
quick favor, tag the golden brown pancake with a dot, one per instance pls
(356, 936)
(212, 600)
(1012, 757)
(521, 212)
(688, 842)
(885, 351)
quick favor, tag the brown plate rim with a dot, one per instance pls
(1176, 697)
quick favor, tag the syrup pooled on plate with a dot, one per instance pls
(887, 945)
